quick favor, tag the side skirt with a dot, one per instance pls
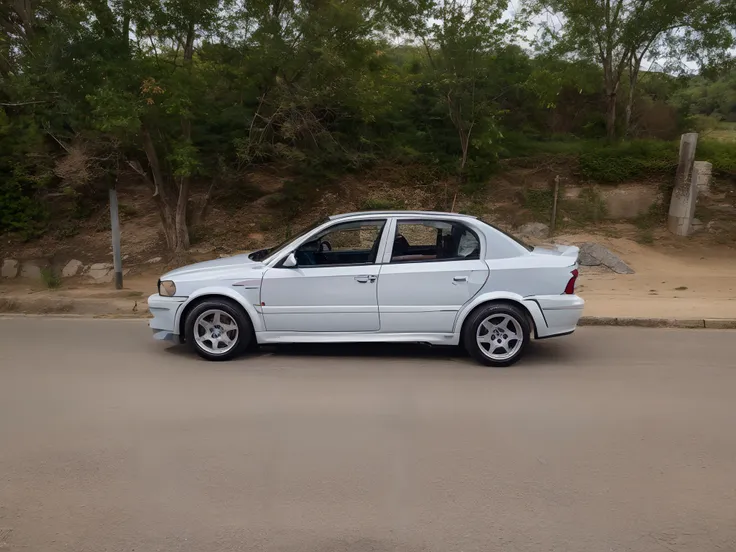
(353, 337)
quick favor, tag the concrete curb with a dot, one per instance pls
(688, 323)
(73, 307)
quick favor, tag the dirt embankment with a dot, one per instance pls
(674, 276)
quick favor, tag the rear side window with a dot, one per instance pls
(433, 240)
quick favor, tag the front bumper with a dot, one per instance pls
(164, 311)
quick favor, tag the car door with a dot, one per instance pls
(333, 287)
(434, 268)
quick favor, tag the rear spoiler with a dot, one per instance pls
(569, 251)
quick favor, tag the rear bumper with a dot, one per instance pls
(164, 311)
(560, 314)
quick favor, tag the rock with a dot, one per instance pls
(154, 260)
(533, 230)
(586, 259)
(31, 270)
(10, 268)
(71, 268)
(594, 254)
(697, 225)
(101, 272)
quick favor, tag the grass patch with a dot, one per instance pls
(654, 216)
(588, 208)
(645, 236)
(539, 202)
(382, 204)
(50, 278)
(628, 160)
(601, 161)
(127, 210)
(721, 154)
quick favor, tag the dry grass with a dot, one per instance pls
(725, 132)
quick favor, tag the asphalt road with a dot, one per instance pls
(612, 439)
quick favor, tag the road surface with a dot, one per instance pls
(613, 439)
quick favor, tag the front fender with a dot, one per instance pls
(531, 306)
(255, 316)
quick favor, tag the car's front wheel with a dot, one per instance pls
(217, 329)
(496, 334)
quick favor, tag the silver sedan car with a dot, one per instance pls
(393, 276)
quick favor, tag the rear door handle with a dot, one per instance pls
(365, 278)
(460, 279)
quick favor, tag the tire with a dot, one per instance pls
(506, 321)
(206, 329)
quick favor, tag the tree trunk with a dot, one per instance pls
(5, 66)
(160, 194)
(182, 202)
(630, 103)
(611, 80)
(634, 67)
(611, 115)
(126, 26)
(463, 135)
(24, 10)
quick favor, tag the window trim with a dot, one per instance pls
(326, 230)
(420, 220)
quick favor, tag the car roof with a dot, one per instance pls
(399, 213)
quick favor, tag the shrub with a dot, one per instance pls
(628, 160)
(19, 212)
(539, 202)
(721, 154)
(50, 278)
(587, 208)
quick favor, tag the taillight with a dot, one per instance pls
(570, 288)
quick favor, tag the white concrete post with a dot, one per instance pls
(115, 227)
(704, 170)
(685, 192)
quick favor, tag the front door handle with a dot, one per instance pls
(457, 279)
(365, 278)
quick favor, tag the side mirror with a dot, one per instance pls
(290, 261)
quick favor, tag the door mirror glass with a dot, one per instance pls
(290, 261)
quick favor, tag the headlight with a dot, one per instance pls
(167, 288)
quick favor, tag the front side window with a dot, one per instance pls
(433, 240)
(349, 243)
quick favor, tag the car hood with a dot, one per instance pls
(224, 267)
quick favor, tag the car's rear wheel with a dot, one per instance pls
(496, 334)
(217, 329)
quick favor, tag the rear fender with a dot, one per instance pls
(530, 306)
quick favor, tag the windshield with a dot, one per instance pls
(517, 240)
(266, 254)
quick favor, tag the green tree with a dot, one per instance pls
(620, 34)
(460, 36)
